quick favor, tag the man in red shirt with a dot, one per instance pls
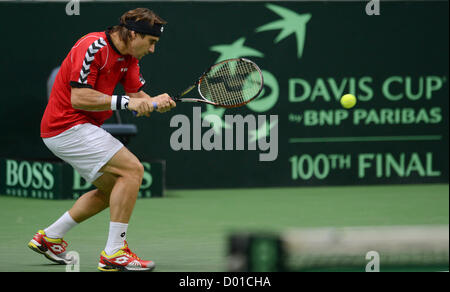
(81, 100)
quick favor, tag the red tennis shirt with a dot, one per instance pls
(93, 62)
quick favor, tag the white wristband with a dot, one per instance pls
(119, 102)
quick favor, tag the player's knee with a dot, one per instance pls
(140, 169)
(136, 170)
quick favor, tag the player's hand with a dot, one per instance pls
(142, 106)
(164, 103)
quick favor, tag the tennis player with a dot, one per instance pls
(81, 100)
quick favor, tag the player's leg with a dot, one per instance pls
(49, 241)
(128, 171)
(94, 201)
(117, 187)
(86, 206)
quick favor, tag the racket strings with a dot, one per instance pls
(231, 83)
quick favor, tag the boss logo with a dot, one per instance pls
(29, 174)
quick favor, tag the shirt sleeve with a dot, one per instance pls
(86, 60)
(133, 81)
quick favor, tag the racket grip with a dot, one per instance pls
(155, 107)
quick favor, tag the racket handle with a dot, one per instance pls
(155, 107)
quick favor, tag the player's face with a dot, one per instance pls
(140, 47)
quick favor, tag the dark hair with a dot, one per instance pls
(136, 15)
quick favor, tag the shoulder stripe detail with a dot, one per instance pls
(88, 58)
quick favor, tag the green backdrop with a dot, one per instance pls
(311, 54)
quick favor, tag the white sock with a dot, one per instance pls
(117, 236)
(61, 226)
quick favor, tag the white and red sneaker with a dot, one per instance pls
(53, 249)
(124, 261)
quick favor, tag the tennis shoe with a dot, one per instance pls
(51, 248)
(124, 260)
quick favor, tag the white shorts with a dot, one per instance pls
(86, 147)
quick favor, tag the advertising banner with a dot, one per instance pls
(58, 180)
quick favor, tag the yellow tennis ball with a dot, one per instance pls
(348, 101)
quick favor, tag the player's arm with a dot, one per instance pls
(89, 99)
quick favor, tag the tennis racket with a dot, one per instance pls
(230, 83)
